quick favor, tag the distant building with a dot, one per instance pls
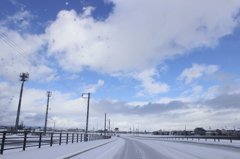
(199, 131)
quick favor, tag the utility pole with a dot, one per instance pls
(133, 130)
(88, 97)
(23, 77)
(109, 126)
(49, 94)
(105, 125)
(185, 130)
(138, 128)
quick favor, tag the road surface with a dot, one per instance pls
(134, 148)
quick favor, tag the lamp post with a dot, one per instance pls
(49, 94)
(88, 97)
(23, 77)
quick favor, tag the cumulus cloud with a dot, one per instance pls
(224, 101)
(21, 53)
(93, 87)
(135, 37)
(149, 84)
(197, 71)
(67, 111)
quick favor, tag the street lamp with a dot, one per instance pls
(23, 77)
(49, 94)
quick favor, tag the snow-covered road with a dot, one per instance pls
(128, 147)
(192, 150)
(135, 148)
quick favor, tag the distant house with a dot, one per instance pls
(160, 132)
(212, 132)
(230, 132)
(187, 132)
(3, 128)
(218, 132)
(199, 131)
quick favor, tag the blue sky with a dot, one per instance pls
(163, 64)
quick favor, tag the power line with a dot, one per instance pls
(19, 50)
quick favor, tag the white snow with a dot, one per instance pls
(56, 151)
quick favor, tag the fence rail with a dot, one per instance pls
(218, 138)
(10, 140)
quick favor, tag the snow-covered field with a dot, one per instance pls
(110, 148)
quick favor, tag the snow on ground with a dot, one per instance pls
(179, 149)
(60, 152)
(235, 143)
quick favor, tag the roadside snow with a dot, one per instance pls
(57, 152)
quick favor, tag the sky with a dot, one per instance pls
(150, 65)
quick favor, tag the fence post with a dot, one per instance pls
(3, 142)
(40, 140)
(51, 141)
(60, 139)
(77, 137)
(24, 141)
(81, 137)
(72, 137)
(67, 139)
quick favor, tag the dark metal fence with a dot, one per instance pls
(215, 138)
(23, 140)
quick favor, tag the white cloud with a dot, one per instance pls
(23, 54)
(148, 79)
(166, 100)
(71, 112)
(149, 84)
(197, 89)
(20, 20)
(136, 103)
(196, 72)
(92, 88)
(137, 37)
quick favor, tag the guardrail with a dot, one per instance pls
(22, 140)
(218, 138)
